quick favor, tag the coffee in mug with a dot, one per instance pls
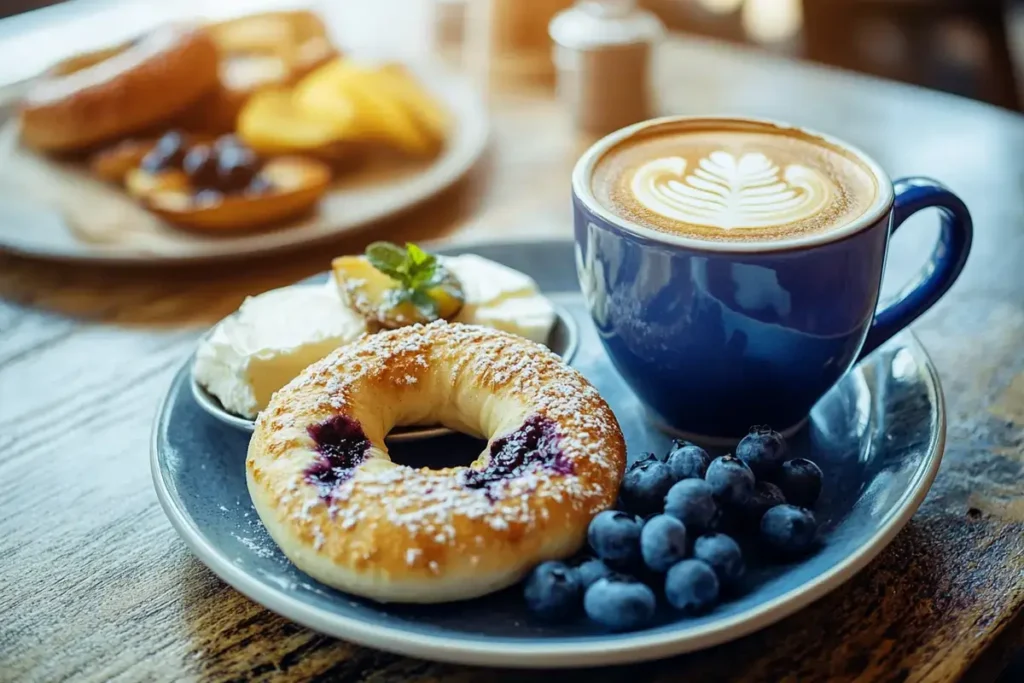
(732, 266)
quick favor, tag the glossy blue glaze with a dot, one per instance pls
(714, 341)
(942, 270)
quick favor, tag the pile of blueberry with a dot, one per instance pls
(676, 532)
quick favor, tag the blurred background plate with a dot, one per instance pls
(57, 210)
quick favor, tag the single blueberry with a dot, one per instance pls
(763, 450)
(645, 485)
(168, 153)
(227, 142)
(731, 480)
(200, 165)
(236, 168)
(553, 591)
(723, 554)
(662, 542)
(691, 586)
(692, 502)
(619, 605)
(789, 529)
(615, 537)
(800, 481)
(687, 461)
(766, 496)
(591, 570)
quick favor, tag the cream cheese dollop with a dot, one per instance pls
(271, 339)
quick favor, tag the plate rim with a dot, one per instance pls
(610, 650)
(476, 146)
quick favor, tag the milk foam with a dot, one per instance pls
(729, 191)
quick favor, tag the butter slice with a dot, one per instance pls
(270, 340)
(501, 297)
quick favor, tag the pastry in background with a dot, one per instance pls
(233, 125)
(109, 94)
(224, 185)
(112, 164)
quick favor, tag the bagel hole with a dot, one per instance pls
(451, 450)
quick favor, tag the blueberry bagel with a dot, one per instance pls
(322, 482)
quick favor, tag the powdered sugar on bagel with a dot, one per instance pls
(348, 516)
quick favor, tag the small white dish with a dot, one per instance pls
(563, 340)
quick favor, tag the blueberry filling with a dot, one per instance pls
(535, 445)
(342, 446)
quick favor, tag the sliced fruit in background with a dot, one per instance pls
(271, 123)
(378, 113)
(431, 115)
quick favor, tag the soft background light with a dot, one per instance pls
(771, 21)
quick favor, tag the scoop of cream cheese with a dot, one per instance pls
(270, 340)
(276, 335)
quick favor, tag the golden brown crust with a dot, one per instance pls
(112, 93)
(396, 533)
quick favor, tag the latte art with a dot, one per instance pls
(732, 180)
(730, 192)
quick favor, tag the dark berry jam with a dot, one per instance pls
(342, 446)
(535, 445)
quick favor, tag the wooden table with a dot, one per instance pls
(95, 585)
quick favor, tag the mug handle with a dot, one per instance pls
(942, 269)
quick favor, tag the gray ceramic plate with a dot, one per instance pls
(878, 435)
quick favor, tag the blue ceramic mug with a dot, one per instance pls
(717, 336)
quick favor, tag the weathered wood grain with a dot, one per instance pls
(95, 585)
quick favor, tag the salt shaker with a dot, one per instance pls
(603, 54)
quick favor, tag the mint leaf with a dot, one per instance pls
(417, 256)
(422, 266)
(388, 258)
(416, 273)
